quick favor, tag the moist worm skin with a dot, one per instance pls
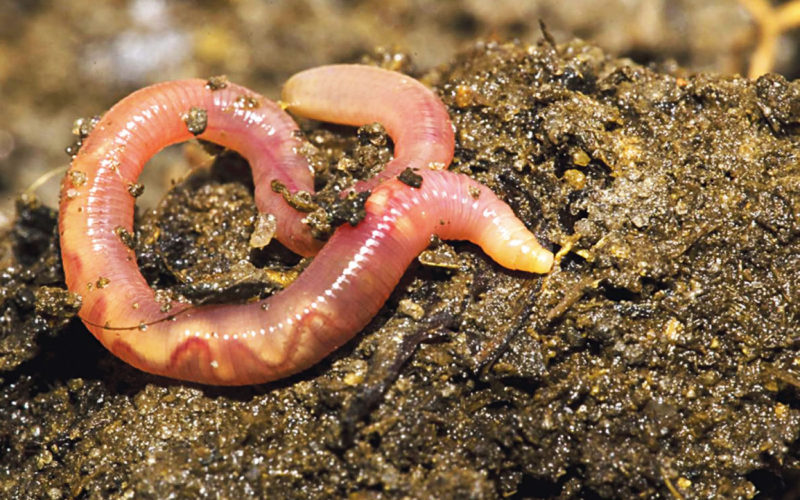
(350, 94)
(140, 125)
(333, 299)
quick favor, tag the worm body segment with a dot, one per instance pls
(350, 94)
(137, 127)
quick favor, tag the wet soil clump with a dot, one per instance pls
(659, 358)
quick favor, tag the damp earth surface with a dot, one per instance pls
(659, 359)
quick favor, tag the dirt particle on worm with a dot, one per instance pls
(77, 178)
(350, 209)
(442, 256)
(196, 120)
(301, 200)
(135, 189)
(246, 102)
(81, 129)
(217, 82)
(410, 178)
(126, 237)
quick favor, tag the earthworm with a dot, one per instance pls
(333, 299)
(350, 94)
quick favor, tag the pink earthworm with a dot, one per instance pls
(238, 344)
(414, 117)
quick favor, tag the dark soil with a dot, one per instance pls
(659, 359)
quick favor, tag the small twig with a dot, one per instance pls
(772, 23)
(42, 179)
(573, 295)
(381, 376)
(672, 489)
(547, 35)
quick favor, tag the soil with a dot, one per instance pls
(659, 359)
